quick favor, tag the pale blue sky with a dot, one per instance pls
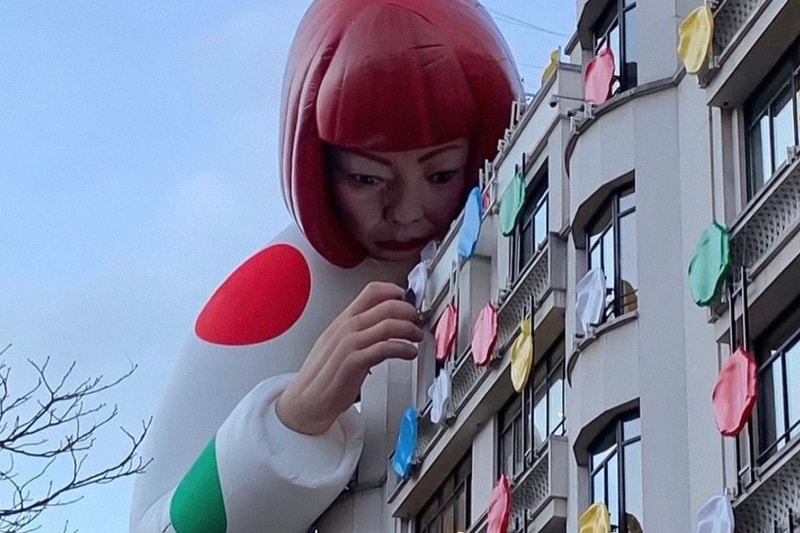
(138, 166)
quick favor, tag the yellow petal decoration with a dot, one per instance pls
(522, 356)
(595, 520)
(550, 69)
(696, 37)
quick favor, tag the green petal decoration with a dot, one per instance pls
(711, 265)
(511, 205)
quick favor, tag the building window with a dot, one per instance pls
(771, 120)
(616, 28)
(532, 230)
(511, 445)
(611, 242)
(777, 415)
(616, 473)
(544, 400)
(529, 419)
(449, 508)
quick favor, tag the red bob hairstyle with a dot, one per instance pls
(386, 75)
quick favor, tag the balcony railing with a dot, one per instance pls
(769, 220)
(531, 287)
(730, 17)
(539, 497)
(545, 483)
(766, 505)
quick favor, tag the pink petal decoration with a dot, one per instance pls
(445, 332)
(484, 335)
(487, 200)
(499, 507)
(599, 77)
(735, 392)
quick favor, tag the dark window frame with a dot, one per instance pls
(445, 499)
(519, 412)
(617, 300)
(615, 17)
(537, 197)
(620, 443)
(756, 447)
(761, 105)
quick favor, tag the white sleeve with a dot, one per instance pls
(266, 468)
(263, 469)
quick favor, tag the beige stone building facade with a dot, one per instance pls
(622, 413)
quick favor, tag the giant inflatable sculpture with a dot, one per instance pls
(391, 85)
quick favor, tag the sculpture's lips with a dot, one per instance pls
(403, 246)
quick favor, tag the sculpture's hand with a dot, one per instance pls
(370, 330)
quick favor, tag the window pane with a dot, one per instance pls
(526, 248)
(793, 385)
(462, 513)
(540, 222)
(628, 264)
(519, 447)
(632, 429)
(631, 51)
(613, 489)
(613, 38)
(599, 487)
(770, 409)
(608, 265)
(556, 405)
(448, 518)
(506, 451)
(595, 256)
(783, 124)
(600, 225)
(603, 448)
(627, 200)
(760, 156)
(540, 421)
(633, 482)
(797, 106)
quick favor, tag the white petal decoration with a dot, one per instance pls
(591, 299)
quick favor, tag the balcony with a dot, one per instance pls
(539, 497)
(750, 36)
(730, 17)
(771, 498)
(768, 222)
(541, 287)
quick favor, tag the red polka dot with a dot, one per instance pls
(261, 300)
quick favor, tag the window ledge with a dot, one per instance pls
(581, 343)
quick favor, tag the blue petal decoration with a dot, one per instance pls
(406, 443)
(471, 226)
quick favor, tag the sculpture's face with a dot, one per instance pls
(394, 203)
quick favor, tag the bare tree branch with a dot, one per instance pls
(52, 427)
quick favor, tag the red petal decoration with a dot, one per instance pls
(735, 392)
(445, 332)
(499, 507)
(599, 77)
